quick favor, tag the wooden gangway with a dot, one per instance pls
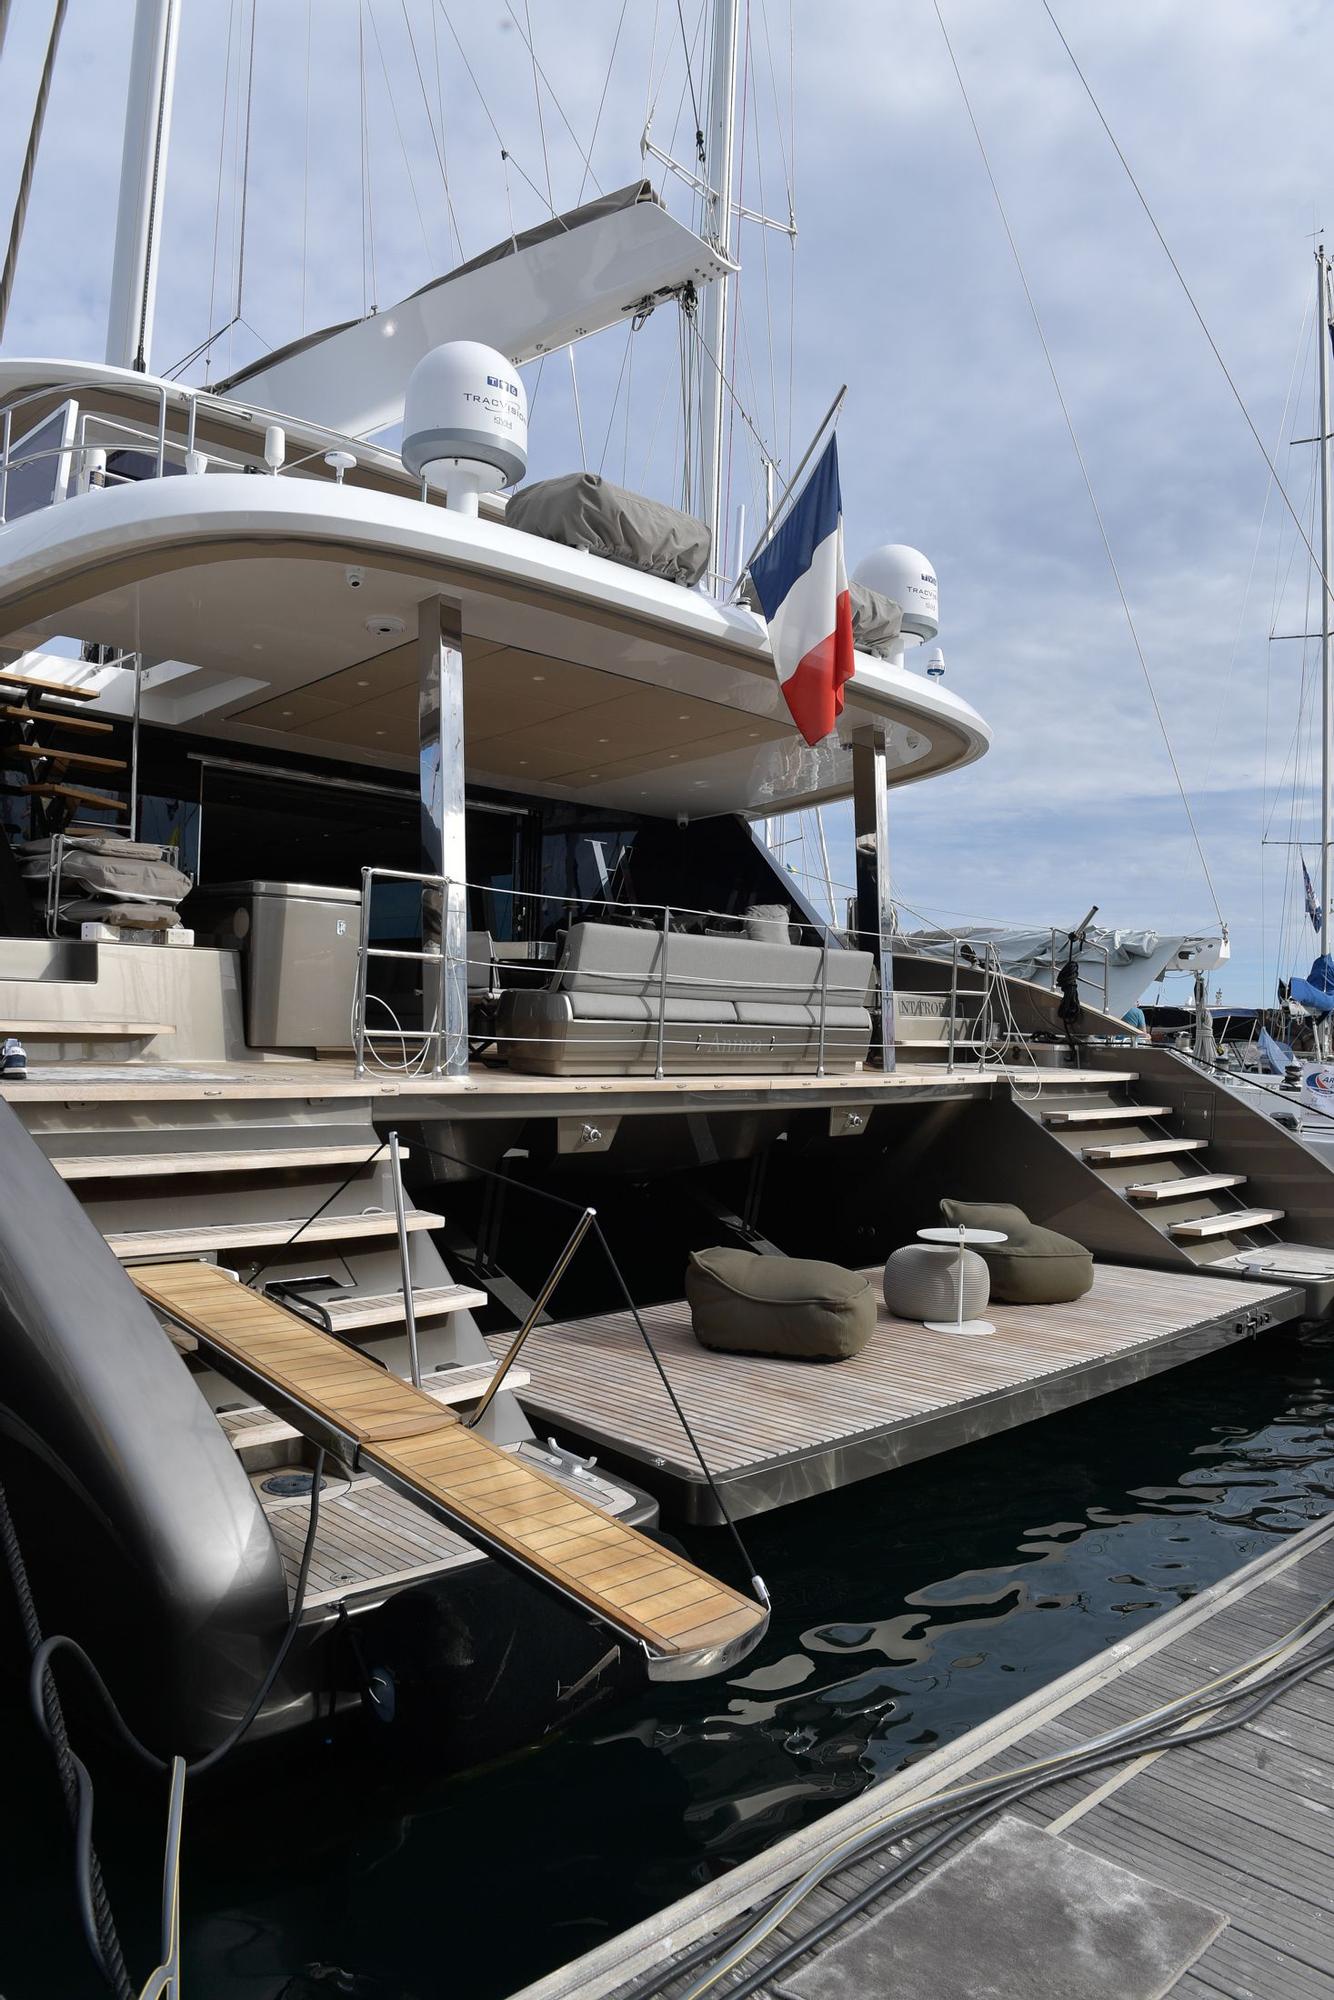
(686, 1623)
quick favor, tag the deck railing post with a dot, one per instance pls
(4, 466)
(363, 974)
(954, 998)
(400, 1216)
(824, 999)
(659, 1069)
(161, 430)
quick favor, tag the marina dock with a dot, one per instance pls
(1224, 1844)
(776, 1431)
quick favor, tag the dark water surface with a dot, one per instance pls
(906, 1610)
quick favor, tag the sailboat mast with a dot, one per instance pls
(1326, 685)
(720, 142)
(142, 171)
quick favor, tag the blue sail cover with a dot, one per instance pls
(1317, 990)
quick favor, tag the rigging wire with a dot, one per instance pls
(1083, 466)
(402, 144)
(606, 85)
(537, 98)
(217, 199)
(437, 142)
(245, 166)
(1238, 398)
(700, 149)
(305, 173)
(29, 167)
(506, 155)
(527, 38)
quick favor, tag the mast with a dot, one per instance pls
(720, 140)
(1326, 685)
(142, 168)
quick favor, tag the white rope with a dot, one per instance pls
(1083, 467)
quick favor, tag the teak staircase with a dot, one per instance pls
(686, 1623)
(46, 765)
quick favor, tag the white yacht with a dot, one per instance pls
(380, 867)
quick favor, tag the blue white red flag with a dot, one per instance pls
(801, 581)
(1312, 907)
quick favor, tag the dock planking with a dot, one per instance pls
(1242, 1824)
(774, 1431)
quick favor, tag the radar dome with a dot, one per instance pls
(465, 419)
(905, 575)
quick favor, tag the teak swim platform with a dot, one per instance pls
(685, 1622)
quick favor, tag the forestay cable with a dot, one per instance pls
(1083, 467)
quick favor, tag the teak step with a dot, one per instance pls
(1107, 1114)
(1140, 1149)
(190, 1242)
(1184, 1188)
(77, 793)
(39, 750)
(360, 1309)
(85, 724)
(9, 678)
(128, 1166)
(249, 1429)
(686, 1623)
(1205, 1226)
(82, 1031)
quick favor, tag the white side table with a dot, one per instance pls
(962, 1239)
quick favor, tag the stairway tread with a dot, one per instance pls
(1226, 1224)
(68, 691)
(77, 793)
(126, 1166)
(1105, 1114)
(194, 1239)
(82, 1031)
(359, 1309)
(38, 751)
(1186, 1187)
(1140, 1149)
(85, 724)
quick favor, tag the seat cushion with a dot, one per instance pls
(1034, 1266)
(922, 1282)
(745, 1304)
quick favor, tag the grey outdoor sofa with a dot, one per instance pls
(732, 1004)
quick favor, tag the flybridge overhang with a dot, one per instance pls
(542, 289)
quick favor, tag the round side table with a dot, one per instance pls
(962, 1239)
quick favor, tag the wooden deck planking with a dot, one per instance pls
(594, 1378)
(412, 1441)
(1241, 1823)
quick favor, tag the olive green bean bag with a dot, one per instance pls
(1034, 1266)
(787, 1306)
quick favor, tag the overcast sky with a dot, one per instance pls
(904, 288)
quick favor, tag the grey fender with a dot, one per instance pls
(141, 1530)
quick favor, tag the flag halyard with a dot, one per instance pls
(801, 580)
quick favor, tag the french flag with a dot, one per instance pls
(801, 581)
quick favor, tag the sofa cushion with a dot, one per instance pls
(1034, 1266)
(745, 1304)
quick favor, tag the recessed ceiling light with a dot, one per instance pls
(673, 756)
(683, 718)
(384, 624)
(286, 713)
(539, 677)
(752, 732)
(522, 762)
(604, 739)
(379, 732)
(595, 774)
(363, 684)
(699, 782)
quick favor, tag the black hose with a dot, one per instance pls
(1154, 1738)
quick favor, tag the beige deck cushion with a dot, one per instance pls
(922, 1282)
(744, 1304)
(1034, 1266)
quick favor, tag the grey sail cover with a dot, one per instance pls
(582, 510)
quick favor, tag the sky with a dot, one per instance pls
(901, 284)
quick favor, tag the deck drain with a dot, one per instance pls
(290, 1485)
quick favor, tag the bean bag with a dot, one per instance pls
(922, 1282)
(1034, 1266)
(787, 1306)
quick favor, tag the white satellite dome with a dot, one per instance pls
(465, 421)
(905, 575)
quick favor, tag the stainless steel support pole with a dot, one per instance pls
(954, 996)
(363, 977)
(824, 999)
(444, 842)
(535, 1311)
(659, 1069)
(4, 466)
(134, 746)
(161, 431)
(875, 911)
(400, 1216)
